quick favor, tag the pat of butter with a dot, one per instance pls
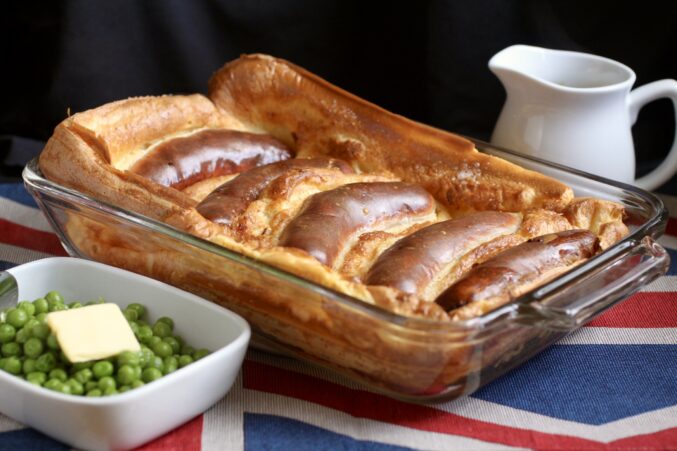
(93, 332)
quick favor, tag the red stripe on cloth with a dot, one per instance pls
(186, 437)
(642, 310)
(37, 240)
(363, 404)
(671, 228)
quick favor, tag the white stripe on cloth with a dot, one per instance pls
(621, 336)
(24, 215)
(477, 409)
(20, 255)
(223, 424)
(7, 424)
(358, 428)
(665, 283)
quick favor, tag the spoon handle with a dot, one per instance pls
(9, 291)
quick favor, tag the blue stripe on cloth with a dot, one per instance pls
(592, 384)
(277, 433)
(17, 193)
(672, 270)
(6, 265)
(28, 439)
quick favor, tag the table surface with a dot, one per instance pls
(611, 384)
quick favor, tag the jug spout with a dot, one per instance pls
(558, 70)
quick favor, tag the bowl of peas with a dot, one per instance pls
(189, 354)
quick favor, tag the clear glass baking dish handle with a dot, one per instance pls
(632, 266)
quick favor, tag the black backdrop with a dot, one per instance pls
(425, 60)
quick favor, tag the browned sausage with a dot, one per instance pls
(180, 162)
(331, 220)
(413, 263)
(232, 198)
(523, 267)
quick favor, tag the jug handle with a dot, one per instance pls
(637, 99)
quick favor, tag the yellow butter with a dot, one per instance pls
(93, 332)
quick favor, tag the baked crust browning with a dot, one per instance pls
(183, 161)
(517, 270)
(320, 119)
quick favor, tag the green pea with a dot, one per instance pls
(81, 366)
(12, 365)
(41, 317)
(7, 333)
(110, 391)
(41, 305)
(30, 324)
(126, 375)
(171, 364)
(168, 321)
(157, 363)
(55, 297)
(84, 375)
(40, 330)
(144, 334)
(94, 393)
(16, 317)
(187, 349)
(27, 307)
(54, 307)
(162, 349)
(137, 383)
(174, 343)
(140, 309)
(134, 326)
(29, 366)
(106, 383)
(128, 358)
(58, 373)
(75, 386)
(46, 362)
(151, 374)
(36, 377)
(142, 323)
(124, 389)
(152, 341)
(22, 335)
(200, 354)
(162, 330)
(52, 342)
(91, 385)
(33, 347)
(65, 389)
(53, 384)
(185, 360)
(74, 305)
(130, 314)
(102, 369)
(11, 349)
(145, 356)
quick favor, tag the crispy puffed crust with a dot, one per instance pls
(318, 118)
(91, 152)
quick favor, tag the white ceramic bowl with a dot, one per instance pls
(130, 419)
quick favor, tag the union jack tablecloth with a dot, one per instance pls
(612, 384)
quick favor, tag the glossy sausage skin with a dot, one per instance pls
(506, 275)
(232, 198)
(180, 162)
(414, 261)
(331, 218)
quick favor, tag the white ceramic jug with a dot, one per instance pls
(576, 109)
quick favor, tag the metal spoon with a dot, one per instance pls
(9, 292)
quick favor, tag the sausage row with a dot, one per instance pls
(380, 231)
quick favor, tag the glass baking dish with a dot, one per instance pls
(407, 358)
